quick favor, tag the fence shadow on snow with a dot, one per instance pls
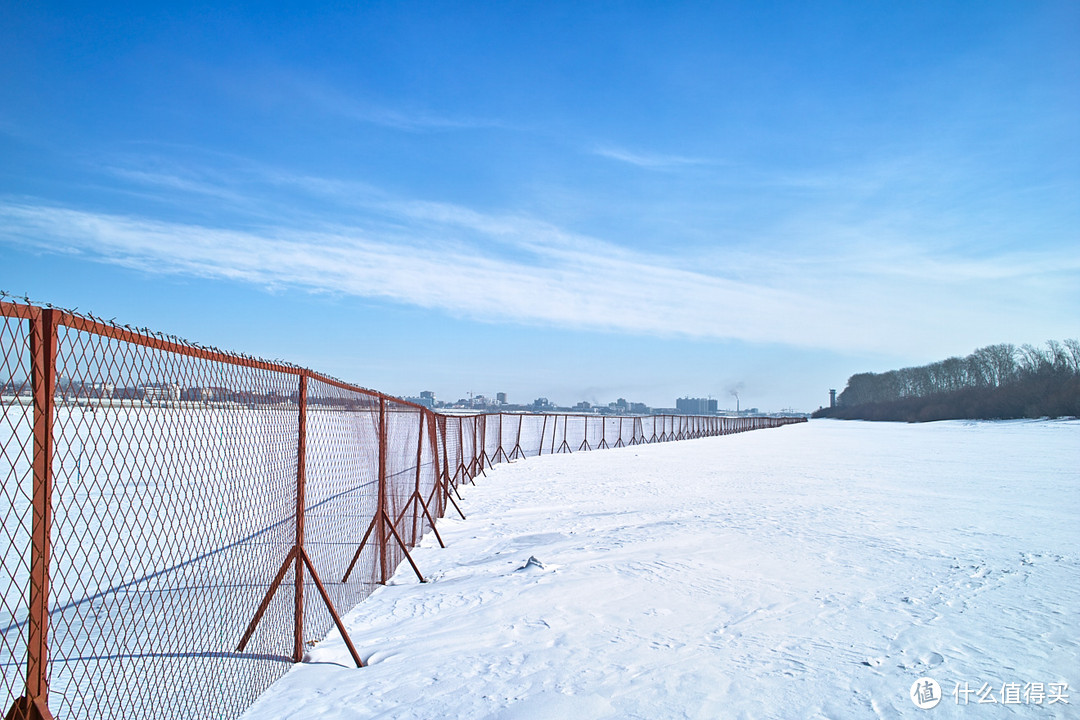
(181, 523)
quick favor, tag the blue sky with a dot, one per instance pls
(571, 200)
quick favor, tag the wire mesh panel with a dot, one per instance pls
(609, 433)
(574, 437)
(515, 443)
(403, 441)
(16, 500)
(450, 434)
(340, 499)
(493, 438)
(469, 455)
(587, 439)
(424, 504)
(433, 483)
(558, 435)
(461, 437)
(532, 434)
(556, 432)
(173, 502)
(594, 432)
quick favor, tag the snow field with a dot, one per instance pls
(809, 571)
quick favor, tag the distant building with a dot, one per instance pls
(160, 392)
(127, 393)
(76, 389)
(639, 408)
(500, 398)
(832, 398)
(696, 406)
(204, 394)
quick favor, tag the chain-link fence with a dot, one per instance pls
(180, 523)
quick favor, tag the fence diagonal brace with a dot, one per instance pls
(454, 503)
(432, 521)
(405, 509)
(363, 542)
(404, 548)
(417, 498)
(266, 599)
(330, 607)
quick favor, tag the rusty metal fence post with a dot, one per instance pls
(301, 486)
(382, 524)
(381, 512)
(34, 705)
(298, 555)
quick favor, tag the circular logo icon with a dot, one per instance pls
(925, 693)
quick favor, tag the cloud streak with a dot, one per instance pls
(507, 268)
(649, 161)
(416, 120)
(566, 288)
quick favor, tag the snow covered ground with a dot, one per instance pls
(810, 571)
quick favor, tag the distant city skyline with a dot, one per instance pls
(480, 401)
(556, 200)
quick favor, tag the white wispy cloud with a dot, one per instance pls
(555, 285)
(334, 101)
(171, 183)
(514, 268)
(651, 161)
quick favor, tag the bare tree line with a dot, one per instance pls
(1001, 380)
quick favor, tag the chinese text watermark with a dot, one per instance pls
(926, 693)
(1011, 693)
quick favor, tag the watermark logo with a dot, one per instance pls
(925, 693)
(1013, 693)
